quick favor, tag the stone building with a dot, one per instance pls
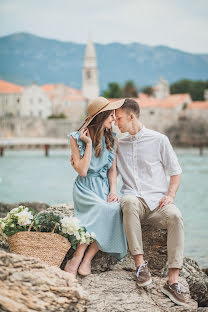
(90, 85)
(161, 90)
(206, 94)
(10, 99)
(66, 100)
(35, 102)
(19, 101)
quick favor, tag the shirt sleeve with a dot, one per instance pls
(169, 158)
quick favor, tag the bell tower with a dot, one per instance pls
(90, 86)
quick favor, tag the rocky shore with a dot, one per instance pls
(27, 284)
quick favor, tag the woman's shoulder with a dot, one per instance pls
(74, 134)
(81, 144)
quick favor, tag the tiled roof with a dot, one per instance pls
(74, 98)
(198, 105)
(48, 87)
(171, 101)
(174, 100)
(8, 87)
(51, 87)
(143, 100)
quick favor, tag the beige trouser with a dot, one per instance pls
(168, 217)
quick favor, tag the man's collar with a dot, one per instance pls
(138, 135)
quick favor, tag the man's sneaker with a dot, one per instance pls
(143, 275)
(174, 293)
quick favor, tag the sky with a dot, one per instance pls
(180, 24)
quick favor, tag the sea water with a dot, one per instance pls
(30, 176)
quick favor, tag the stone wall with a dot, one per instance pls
(36, 127)
(184, 127)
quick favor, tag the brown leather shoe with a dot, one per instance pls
(174, 293)
(143, 275)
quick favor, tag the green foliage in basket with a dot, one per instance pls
(46, 221)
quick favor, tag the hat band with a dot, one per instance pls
(92, 116)
(89, 117)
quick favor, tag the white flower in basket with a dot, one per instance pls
(70, 225)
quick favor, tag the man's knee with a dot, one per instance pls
(174, 214)
(129, 203)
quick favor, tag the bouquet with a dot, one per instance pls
(21, 218)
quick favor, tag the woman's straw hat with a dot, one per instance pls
(99, 105)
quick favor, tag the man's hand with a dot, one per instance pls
(112, 197)
(166, 200)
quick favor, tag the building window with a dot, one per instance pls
(18, 100)
(40, 114)
(88, 74)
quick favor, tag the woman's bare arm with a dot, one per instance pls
(112, 178)
(81, 165)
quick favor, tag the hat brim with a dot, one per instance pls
(110, 106)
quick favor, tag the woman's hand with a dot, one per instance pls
(112, 197)
(85, 136)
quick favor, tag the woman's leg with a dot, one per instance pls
(85, 266)
(73, 264)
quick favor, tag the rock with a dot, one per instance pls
(196, 279)
(62, 210)
(114, 291)
(205, 270)
(5, 208)
(202, 310)
(27, 284)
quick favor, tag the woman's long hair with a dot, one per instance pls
(97, 131)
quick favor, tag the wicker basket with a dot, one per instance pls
(51, 248)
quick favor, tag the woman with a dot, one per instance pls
(96, 202)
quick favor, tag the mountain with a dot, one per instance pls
(25, 58)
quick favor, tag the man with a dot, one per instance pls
(143, 159)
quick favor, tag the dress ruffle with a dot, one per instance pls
(81, 144)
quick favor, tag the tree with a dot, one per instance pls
(130, 90)
(194, 88)
(114, 91)
(147, 90)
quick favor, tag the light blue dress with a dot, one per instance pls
(90, 202)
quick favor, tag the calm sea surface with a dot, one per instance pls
(30, 176)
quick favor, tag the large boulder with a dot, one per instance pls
(116, 290)
(112, 286)
(27, 284)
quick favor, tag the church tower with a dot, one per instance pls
(90, 86)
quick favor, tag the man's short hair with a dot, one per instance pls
(131, 106)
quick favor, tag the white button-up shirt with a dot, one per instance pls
(144, 160)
